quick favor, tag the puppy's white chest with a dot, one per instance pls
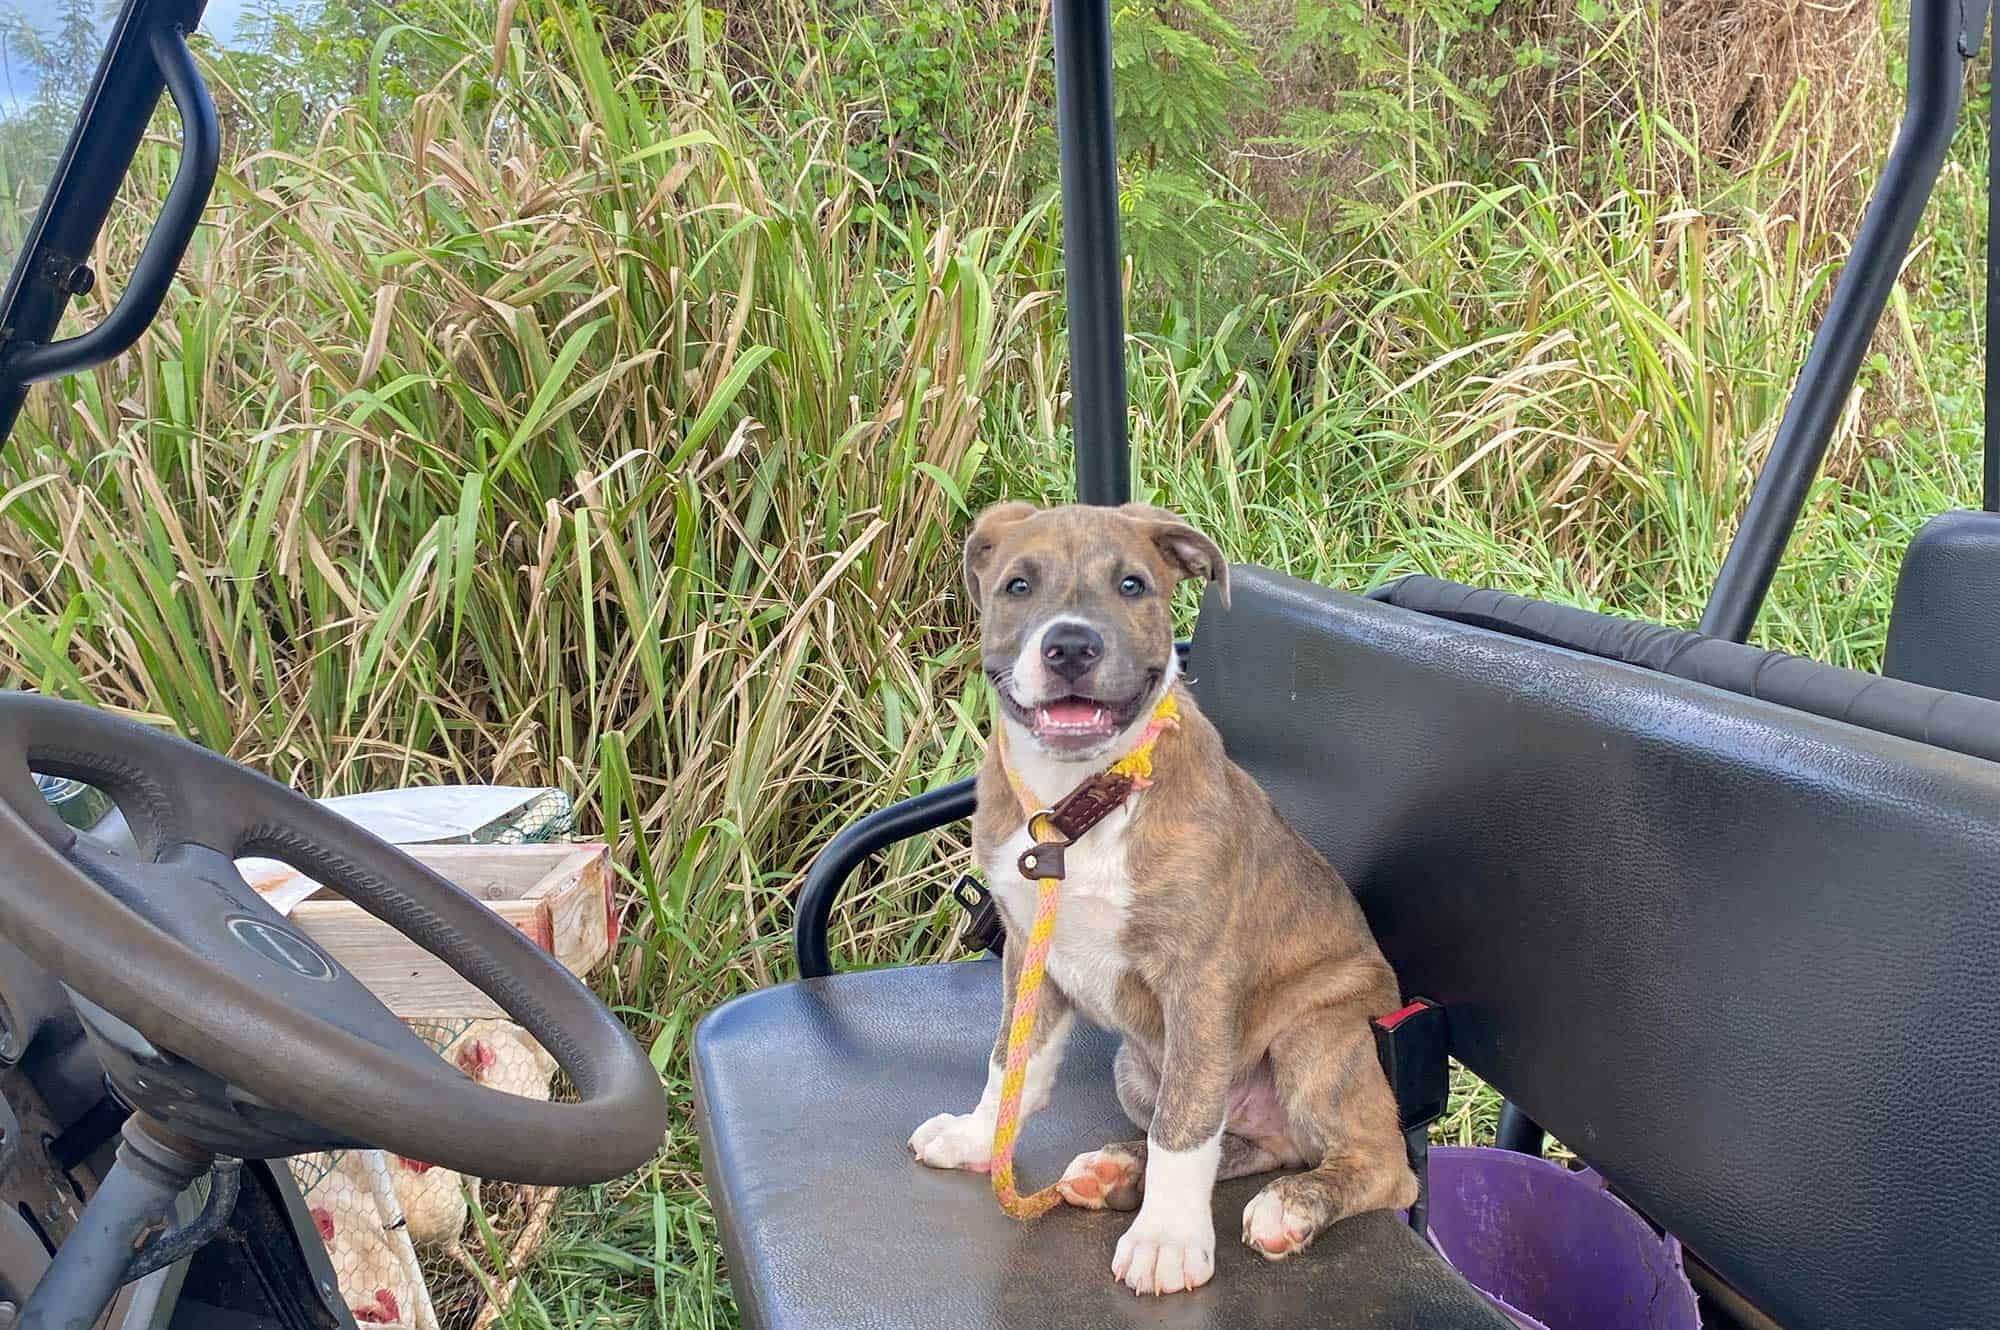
(1086, 958)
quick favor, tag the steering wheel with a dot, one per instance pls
(179, 948)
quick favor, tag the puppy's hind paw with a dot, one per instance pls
(955, 1140)
(1274, 1229)
(1106, 1179)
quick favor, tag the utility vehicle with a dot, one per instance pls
(1724, 920)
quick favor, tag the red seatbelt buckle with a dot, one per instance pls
(1414, 1045)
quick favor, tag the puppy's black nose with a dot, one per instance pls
(1071, 648)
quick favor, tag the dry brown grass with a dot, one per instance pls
(1785, 89)
(1788, 91)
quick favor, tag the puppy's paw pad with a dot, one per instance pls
(1106, 1179)
(954, 1140)
(1169, 1255)
(1274, 1230)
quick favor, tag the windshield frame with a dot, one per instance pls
(84, 184)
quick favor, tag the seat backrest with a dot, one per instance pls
(1743, 959)
(1934, 716)
(1945, 628)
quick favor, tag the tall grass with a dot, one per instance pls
(584, 421)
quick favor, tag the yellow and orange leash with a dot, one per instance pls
(1138, 766)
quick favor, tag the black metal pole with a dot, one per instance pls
(1519, 1132)
(153, 275)
(1087, 135)
(128, 1207)
(1991, 491)
(1938, 51)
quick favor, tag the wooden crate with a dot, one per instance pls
(560, 895)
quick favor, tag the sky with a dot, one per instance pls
(34, 156)
(219, 20)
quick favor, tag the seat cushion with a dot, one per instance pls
(806, 1094)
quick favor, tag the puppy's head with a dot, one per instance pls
(1076, 623)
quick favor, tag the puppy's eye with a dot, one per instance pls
(1017, 586)
(1132, 585)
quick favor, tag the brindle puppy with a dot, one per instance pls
(1194, 922)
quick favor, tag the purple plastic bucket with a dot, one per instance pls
(1553, 1249)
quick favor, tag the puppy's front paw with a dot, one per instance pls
(1106, 1179)
(955, 1140)
(1166, 1251)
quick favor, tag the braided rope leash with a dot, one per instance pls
(1130, 773)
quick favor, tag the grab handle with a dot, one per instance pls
(201, 151)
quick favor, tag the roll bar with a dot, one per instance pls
(1944, 36)
(1087, 136)
(1094, 270)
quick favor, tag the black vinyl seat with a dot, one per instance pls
(1741, 954)
(806, 1093)
(1946, 620)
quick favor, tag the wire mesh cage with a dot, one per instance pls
(379, 1214)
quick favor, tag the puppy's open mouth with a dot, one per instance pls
(1075, 721)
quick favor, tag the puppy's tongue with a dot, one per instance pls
(1072, 715)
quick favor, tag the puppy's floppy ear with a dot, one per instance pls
(1183, 547)
(986, 533)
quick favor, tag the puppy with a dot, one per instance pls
(1194, 922)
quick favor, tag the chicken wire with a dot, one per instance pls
(373, 1231)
